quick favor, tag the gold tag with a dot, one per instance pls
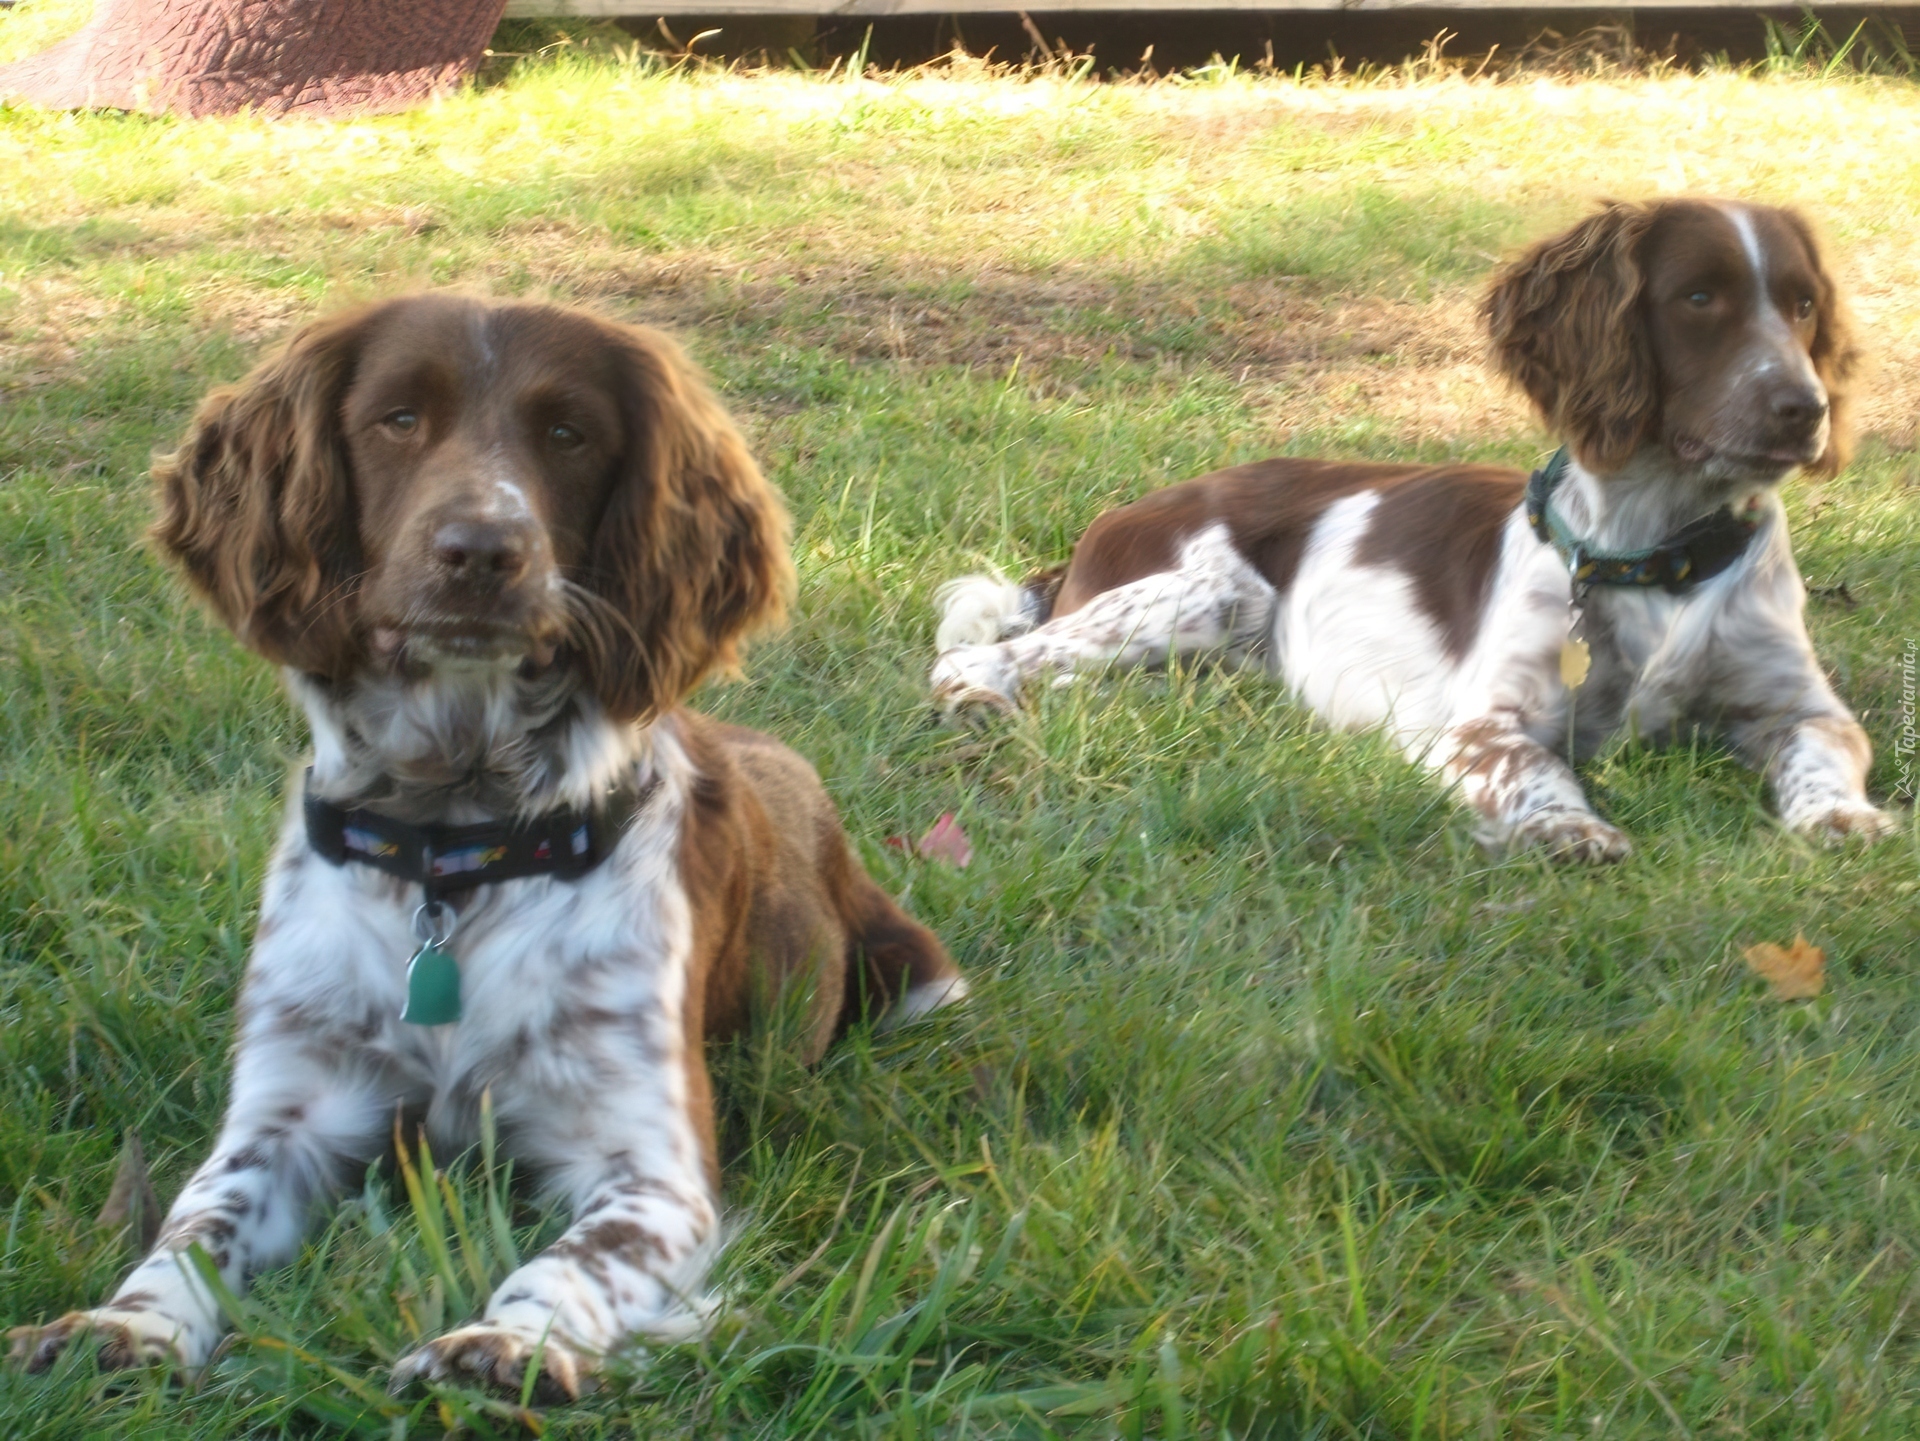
(1574, 660)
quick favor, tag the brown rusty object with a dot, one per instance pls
(277, 57)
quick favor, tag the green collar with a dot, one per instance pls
(1693, 554)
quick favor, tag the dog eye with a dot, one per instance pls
(1805, 307)
(404, 421)
(1700, 299)
(564, 437)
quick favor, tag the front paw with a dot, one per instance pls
(128, 1339)
(1844, 820)
(1578, 836)
(488, 1354)
(974, 678)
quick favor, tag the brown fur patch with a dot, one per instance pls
(1269, 508)
(1566, 328)
(626, 1241)
(692, 549)
(779, 899)
(1443, 527)
(257, 504)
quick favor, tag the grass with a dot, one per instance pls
(1281, 1110)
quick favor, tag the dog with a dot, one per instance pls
(492, 548)
(1689, 354)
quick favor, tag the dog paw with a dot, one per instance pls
(1578, 836)
(1845, 820)
(488, 1354)
(128, 1339)
(973, 678)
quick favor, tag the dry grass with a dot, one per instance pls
(1267, 228)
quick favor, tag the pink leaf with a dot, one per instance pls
(945, 841)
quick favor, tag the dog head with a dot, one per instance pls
(1710, 328)
(438, 483)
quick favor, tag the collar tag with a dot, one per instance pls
(433, 975)
(1576, 656)
(433, 988)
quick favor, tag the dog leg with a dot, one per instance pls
(1817, 769)
(1786, 722)
(1524, 794)
(1213, 603)
(632, 1159)
(292, 1123)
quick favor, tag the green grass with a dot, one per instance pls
(1281, 1110)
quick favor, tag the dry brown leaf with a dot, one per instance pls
(1797, 972)
(131, 1204)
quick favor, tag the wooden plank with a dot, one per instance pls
(548, 9)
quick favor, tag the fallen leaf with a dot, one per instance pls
(1797, 973)
(944, 841)
(131, 1203)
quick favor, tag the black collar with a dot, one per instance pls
(1695, 553)
(446, 859)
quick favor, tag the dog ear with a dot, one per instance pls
(257, 504)
(691, 552)
(1567, 328)
(1835, 355)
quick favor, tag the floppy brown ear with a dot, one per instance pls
(691, 552)
(1567, 329)
(1836, 357)
(257, 504)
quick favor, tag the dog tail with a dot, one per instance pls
(985, 609)
(907, 972)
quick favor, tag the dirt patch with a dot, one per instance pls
(1313, 362)
(935, 316)
(1310, 361)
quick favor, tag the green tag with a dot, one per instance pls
(433, 987)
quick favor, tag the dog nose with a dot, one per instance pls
(482, 550)
(1800, 407)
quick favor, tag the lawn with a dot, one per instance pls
(1280, 1110)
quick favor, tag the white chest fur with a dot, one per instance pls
(553, 972)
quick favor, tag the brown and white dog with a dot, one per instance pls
(493, 547)
(1690, 354)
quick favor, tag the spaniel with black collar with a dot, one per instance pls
(492, 549)
(1690, 355)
